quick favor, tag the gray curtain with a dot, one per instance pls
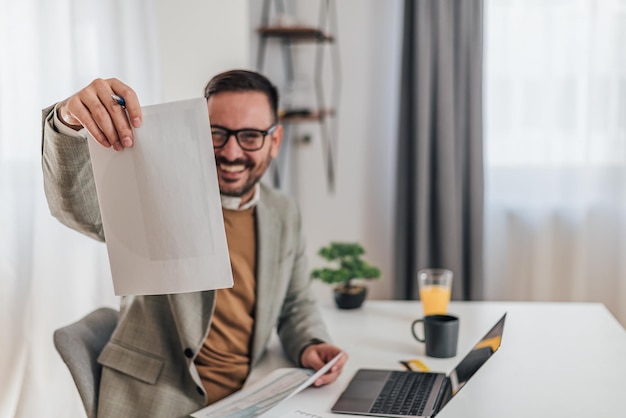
(439, 208)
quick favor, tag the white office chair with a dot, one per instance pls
(79, 345)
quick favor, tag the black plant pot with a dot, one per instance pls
(350, 298)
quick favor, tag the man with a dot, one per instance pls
(173, 354)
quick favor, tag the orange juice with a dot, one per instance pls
(435, 299)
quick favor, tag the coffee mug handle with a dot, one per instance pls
(422, 340)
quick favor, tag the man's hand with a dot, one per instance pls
(106, 120)
(316, 355)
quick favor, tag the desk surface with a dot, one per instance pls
(556, 359)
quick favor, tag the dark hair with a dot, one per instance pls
(243, 80)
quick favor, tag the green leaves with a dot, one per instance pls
(340, 250)
(348, 256)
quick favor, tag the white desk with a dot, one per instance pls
(556, 359)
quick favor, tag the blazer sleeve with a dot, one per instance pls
(68, 179)
(300, 321)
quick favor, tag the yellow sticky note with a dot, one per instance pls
(415, 365)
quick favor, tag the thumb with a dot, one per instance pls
(312, 358)
(316, 361)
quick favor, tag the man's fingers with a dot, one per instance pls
(106, 120)
(130, 98)
(321, 358)
(327, 378)
(317, 362)
(122, 113)
(339, 365)
(113, 120)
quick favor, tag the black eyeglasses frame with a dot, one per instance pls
(235, 133)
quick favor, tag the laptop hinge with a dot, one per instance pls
(444, 396)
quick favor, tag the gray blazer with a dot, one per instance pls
(148, 365)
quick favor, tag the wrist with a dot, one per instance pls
(313, 341)
(62, 115)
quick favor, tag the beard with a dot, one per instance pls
(255, 171)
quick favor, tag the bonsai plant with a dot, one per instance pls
(348, 295)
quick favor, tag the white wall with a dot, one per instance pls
(198, 39)
(201, 38)
(361, 208)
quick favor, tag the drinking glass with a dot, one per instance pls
(435, 287)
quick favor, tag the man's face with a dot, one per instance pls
(238, 170)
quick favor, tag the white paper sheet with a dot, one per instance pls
(260, 397)
(160, 204)
(298, 413)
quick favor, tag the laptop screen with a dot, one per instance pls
(481, 352)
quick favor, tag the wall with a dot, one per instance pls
(361, 208)
(198, 39)
(220, 34)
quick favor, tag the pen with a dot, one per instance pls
(119, 100)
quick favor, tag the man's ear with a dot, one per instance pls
(276, 139)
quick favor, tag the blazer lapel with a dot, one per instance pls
(268, 241)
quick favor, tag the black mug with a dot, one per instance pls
(441, 333)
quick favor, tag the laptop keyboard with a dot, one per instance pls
(404, 394)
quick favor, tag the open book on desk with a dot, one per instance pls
(265, 394)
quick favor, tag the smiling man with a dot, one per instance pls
(172, 354)
(242, 161)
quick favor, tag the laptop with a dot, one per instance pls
(398, 393)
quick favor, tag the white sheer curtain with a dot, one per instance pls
(555, 83)
(50, 275)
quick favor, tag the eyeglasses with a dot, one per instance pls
(248, 139)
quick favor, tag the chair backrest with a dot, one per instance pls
(79, 345)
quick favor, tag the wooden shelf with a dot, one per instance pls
(310, 107)
(298, 33)
(312, 116)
